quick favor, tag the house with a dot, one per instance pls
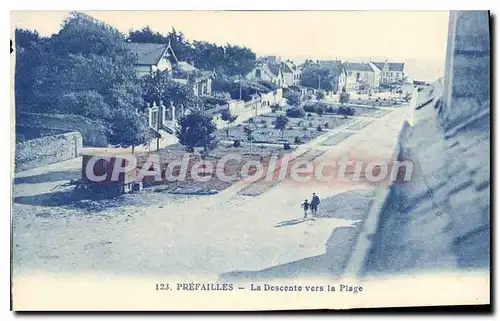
(391, 72)
(268, 71)
(151, 57)
(200, 80)
(338, 72)
(274, 97)
(362, 76)
(291, 74)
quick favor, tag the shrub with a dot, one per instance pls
(237, 143)
(286, 146)
(250, 120)
(310, 108)
(295, 112)
(297, 140)
(309, 115)
(289, 127)
(311, 124)
(304, 128)
(263, 121)
(346, 111)
(327, 126)
(264, 126)
(275, 108)
(319, 128)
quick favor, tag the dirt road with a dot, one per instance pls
(154, 233)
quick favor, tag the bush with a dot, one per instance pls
(286, 146)
(311, 124)
(319, 128)
(289, 127)
(295, 112)
(346, 111)
(304, 128)
(310, 108)
(237, 143)
(250, 120)
(275, 108)
(327, 126)
(297, 140)
(263, 121)
(309, 115)
(264, 126)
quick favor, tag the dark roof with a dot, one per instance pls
(393, 66)
(289, 67)
(358, 66)
(147, 53)
(329, 62)
(274, 68)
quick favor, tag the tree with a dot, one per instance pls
(281, 122)
(344, 97)
(197, 130)
(229, 118)
(320, 77)
(130, 129)
(249, 133)
(346, 111)
(320, 95)
(320, 110)
(146, 35)
(86, 69)
(159, 86)
(295, 112)
(293, 97)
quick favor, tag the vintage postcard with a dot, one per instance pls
(250, 160)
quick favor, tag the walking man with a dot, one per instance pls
(314, 205)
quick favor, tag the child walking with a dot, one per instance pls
(305, 205)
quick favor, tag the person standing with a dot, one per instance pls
(314, 205)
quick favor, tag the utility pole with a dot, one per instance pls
(240, 85)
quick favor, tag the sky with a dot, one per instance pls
(415, 37)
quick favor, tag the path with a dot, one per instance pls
(181, 236)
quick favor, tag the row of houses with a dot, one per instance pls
(283, 73)
(349, 75)
(153, 57)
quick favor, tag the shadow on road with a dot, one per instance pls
(49, 177)
(315, 266)
(290, 222)
(90, 203)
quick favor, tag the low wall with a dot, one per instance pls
(47, 150)
(94, 132)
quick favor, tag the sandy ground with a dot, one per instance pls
(155, 233)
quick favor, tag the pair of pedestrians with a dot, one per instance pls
(313, 205)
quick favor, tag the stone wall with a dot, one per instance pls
(94, 132)
(441, 218)
(47, 150)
